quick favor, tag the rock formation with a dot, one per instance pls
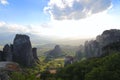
(22, 50)
(7, 53)
(1, 55)
(34, 51)
(111, 48)
(6, 67)
(79, 54)
(94, 48)
(55, 53)
(68, 60)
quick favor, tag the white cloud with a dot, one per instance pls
(75, 9)
(4, 2)
(22, 29)
(84, 28)
(5, 27)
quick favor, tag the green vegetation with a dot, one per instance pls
(106, 68)
(56, 63)
(102, 68)
(23, 76)
(70, 51)
(42, 51)
(66, 50)
(26, 74)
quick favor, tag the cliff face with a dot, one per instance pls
(20, 51)
(94, 48)
(108, 36)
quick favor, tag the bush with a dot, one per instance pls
(21, 76)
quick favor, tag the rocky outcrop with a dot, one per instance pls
(34, 51)
(6, 67)
(94, 48)
(1, 55)
(68, 60)
(79, 54)
(55, 53)
(7, 53)
(22, 50)
(111, 48)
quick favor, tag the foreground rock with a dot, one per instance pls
(6, 67)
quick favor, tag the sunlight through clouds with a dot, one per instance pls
(83, 28)
(68, 18)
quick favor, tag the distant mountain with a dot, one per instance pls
(54, 53)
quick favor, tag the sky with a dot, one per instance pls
(58, 18)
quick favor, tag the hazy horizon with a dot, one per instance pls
(50, 20)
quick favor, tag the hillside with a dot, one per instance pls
(104, 68)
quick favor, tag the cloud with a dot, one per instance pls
(4, 2)
(22, 29)
(13, 28)
(75, 9)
